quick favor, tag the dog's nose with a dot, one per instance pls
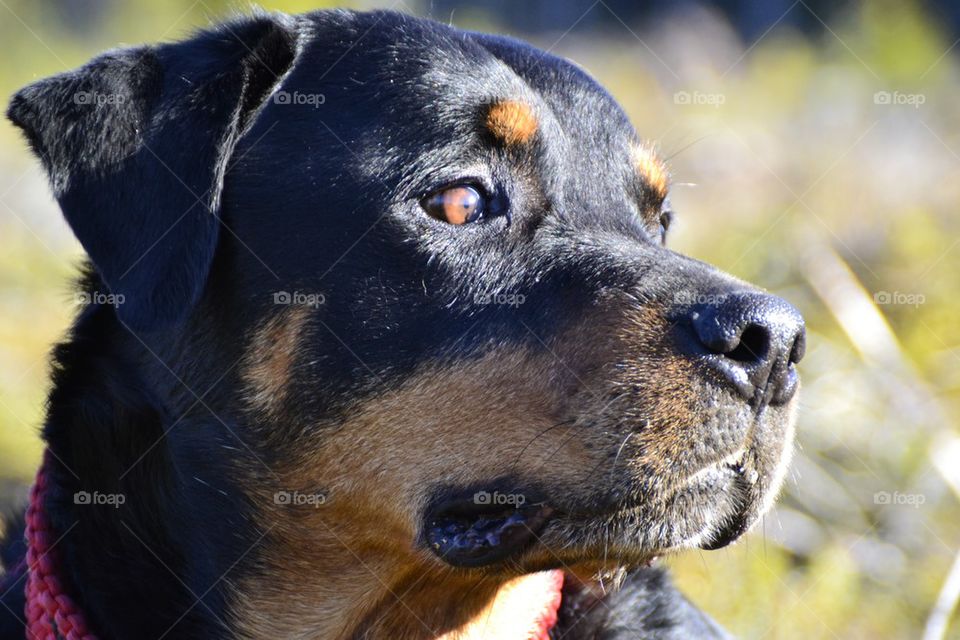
(758, 338)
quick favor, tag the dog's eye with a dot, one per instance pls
(666, 217)
(457, 205)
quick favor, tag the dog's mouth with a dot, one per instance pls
(472, 533)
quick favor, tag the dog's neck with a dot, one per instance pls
(145, 544)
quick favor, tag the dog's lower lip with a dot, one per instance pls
(741, 521)
(728, 534)
(467, 536)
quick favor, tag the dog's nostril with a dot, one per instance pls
(753, 345)
(752, 339)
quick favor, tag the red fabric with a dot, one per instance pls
(51, 614)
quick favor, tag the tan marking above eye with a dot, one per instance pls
(652, 170)
(455, 205)
(512, 122)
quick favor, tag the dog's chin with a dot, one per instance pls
(708, 510)
(712, 510)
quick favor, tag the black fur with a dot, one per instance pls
(198, 196)
(646, 607)
(13, 553)
(112, 136)
(139, 180)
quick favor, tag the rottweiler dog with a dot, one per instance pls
(380, 338)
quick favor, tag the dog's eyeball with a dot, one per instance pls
(456, 205)
(666, 217)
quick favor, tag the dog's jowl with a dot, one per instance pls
(395, 348)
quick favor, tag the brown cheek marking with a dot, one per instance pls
(270, 359)
(652, 169)
(512, 122)
(664, 389)
(329, 570)
(460, 424)
(653, 389)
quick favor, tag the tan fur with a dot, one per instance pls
(343, 565)
(512, 122)
(270, 357)
(652, 170)
(354, 566)
(515, 607)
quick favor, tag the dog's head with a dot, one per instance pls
(425, 271)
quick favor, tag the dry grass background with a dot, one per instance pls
(791, 172)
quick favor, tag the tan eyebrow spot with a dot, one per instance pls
(512, 122)
(652, 169)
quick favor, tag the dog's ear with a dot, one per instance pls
(136, 144)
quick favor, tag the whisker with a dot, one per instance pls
(686, 146)
(537, 437)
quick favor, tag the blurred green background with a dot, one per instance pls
(816, 155)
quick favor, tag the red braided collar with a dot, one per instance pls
(51, 613)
